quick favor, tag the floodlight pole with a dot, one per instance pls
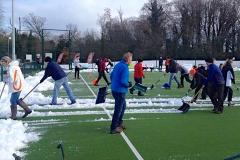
(9, 38)
(69, 50)
(42, 55)
(13, 32)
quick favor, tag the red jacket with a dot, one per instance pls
(138, 70)
(102, 64)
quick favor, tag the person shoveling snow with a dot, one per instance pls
(15, 81)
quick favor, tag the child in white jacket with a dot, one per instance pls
(229, 78)
(15, 81)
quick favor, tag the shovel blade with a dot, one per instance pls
(184, 108)
(101, 97)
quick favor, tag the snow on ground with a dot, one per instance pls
(14, 136)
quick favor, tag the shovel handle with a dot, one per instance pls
(30, 91)
(200, 90)
(3, 89)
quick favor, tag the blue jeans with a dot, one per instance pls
(14, 98)
(57, 85)
(119, 109)
(173, 76)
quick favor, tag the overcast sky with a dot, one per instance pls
(84, 13)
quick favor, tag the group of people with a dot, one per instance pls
(214, 81)
(16, 83)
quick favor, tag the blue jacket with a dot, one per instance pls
(120, 77)
(214, 75)
(53, 70)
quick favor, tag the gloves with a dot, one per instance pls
(41, 80)
(129, 84)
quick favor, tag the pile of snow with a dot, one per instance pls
(13, 138)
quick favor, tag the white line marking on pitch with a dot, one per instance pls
(129, 143)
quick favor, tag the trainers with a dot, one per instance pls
(122, 126)
(214, 110)
(116, 130)
(230, 103)
(180, 86)
(27, 113)
(73, 102)
(218, 112)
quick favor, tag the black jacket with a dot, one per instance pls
(199, 78)
(225, 69)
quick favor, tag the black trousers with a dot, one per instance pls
(203, 94)
(186, 76)
(76, 72)
(228, 92)
(215, 93)
(100, 75)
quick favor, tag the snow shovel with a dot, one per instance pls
(153, 85)
(101, 97)
(16, 157)
(60, 146)
(188, 91)
(21, 99)
(185, 106)
(237, 156)
(138, 87)
(2, 89)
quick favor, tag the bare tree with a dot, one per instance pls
(35, 23)
(75, 33)
(154, 11)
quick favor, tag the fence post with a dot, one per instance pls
(1, 73)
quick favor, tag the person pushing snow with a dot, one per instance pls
(60, 78)
(15, 81)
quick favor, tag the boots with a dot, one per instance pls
(13, 112)
(140, 93)
(25, 107)
(131, 90)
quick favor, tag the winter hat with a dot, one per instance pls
(209, 60)
(47, 59)
(139, 60)
(6, 59)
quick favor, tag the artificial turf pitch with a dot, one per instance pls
(197, 135)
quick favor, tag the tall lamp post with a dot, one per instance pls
(9, 38)
(13, 32)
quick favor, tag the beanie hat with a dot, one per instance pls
(47, 59)
(209, 60)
